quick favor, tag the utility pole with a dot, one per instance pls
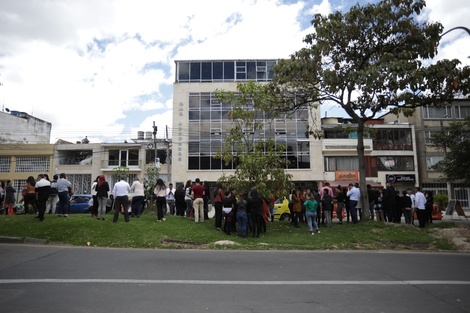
(157, 161)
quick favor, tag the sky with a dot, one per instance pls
(105, 68)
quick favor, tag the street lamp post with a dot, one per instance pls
(455, 28)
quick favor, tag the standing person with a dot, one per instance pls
(2, 196)
(170, 198)
(53, 199)
(218, 205)
(63, 186)
(389, 202)
(311, 208)
(29, 195)
(160, 194)
(378, 207)
(180, 203)
(354, 194)
(406, 204)
(256, 207)
(372, 195)
(206, 198)
(137, 190)
(198, 194)
(102, 189)
(120, 192)
(339, 203)
(410, 194)
(291, 206)
(227, 212)
(429, 204)
(317, 198)
(42, 187)
(188, 197)
(242, 217)
(420, 203)
(9, 199)
(327, 206)
(297, 207)
(94, 207)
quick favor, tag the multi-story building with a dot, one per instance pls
(20, 127)
(428, 120)
(24, 148)
(201, 122)
(390, 153)
(83, 161)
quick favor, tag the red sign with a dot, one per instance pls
(347, 175)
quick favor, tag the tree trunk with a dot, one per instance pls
(362, 171)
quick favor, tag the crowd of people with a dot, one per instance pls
(246, 213)
(385, 205)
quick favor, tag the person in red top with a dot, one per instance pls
(198, 202)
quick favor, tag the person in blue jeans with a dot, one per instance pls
(311, 209)
(242, 217)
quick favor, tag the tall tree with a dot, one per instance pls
(258, 161)
(369, 60)
(455, 141)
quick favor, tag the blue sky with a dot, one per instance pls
(105, 68)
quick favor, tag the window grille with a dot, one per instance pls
(5, 164)
(32, 164)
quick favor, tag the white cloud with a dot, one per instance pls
(104, 68)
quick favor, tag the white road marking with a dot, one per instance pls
(227, 282)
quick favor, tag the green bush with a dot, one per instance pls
(442, 200)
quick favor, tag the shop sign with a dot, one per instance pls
(400, 178)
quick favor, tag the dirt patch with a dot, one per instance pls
(181, 244)
(459, 235)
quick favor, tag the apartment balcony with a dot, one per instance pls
(344, 145)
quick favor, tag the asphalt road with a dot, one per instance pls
(66, 279)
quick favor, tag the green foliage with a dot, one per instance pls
(455, 140)
(259, 162)
(441, 199)
(119, 172)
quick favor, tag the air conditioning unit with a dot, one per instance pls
(261, 68)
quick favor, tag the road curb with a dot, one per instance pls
(27, 240)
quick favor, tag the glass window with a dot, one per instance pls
(183, 71)
(433, 160)
(194, 99)
(206, 71)
(434, 113)
(133, 157)
(205, 101)
(193, 163)
(251, 70)
(194, 115)
(194, 131)
(218, 71)
(462, 111)
(113, 158)
(195, 71)
(229, 71)
(193, 148)
(395, 163)
(205, 115)
(341, 163)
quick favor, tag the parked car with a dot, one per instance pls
(281, 209)
(78, 203)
